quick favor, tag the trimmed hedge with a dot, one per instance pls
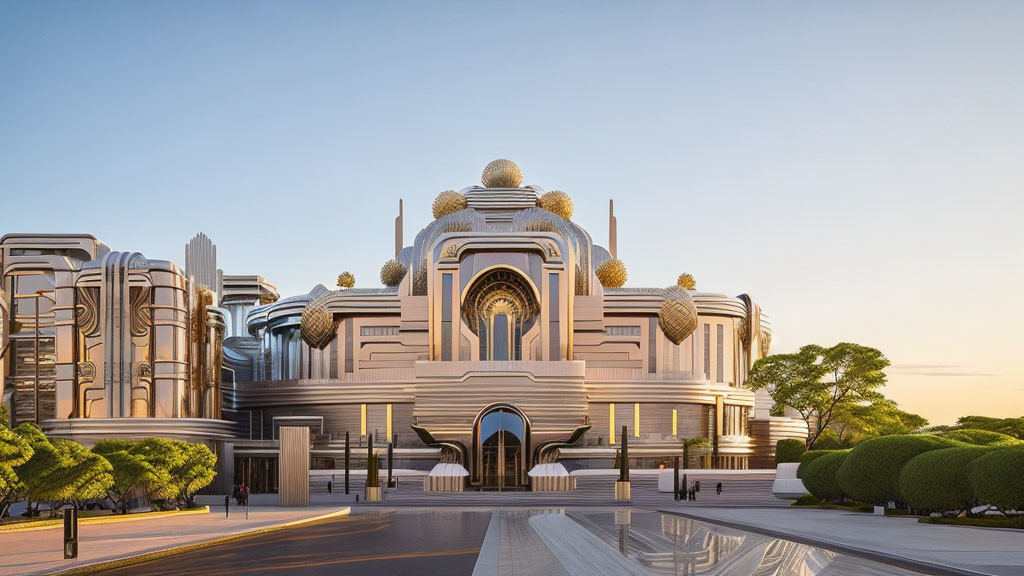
(819, 476)
(871, 471)
(806, 458)
(789, 450)
(938, 480)
(996, 478)
(980, 437)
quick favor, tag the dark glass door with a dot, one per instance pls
(501, 449)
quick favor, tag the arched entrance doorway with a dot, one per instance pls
(501, 446)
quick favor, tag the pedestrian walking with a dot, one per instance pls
(330, 487)
(696, 486)
(718, 488)
(227, 502)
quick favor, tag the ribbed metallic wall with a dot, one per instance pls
(294, 463)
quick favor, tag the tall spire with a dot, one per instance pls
(398, 229)
(613, 233)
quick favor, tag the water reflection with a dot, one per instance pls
(655, 543)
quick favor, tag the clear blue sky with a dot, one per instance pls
(857, 166)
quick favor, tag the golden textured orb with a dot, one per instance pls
(612, 273)
(686, 281)
(392, 272)
(558, 203)
(448, 202)
(678, 314)
(502, 173)
(346, 279)
(317, 326)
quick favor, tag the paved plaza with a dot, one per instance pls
(41, 551)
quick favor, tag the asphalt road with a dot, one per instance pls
(402, 543)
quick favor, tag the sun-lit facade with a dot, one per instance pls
(503, 338)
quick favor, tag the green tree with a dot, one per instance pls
(854, 423)
(130, 472)
(63, 472)
(694, 443)
(1009, 426)
(165, 456)
(789, 450)
(871, 471)
(15, 450)
(197, 469)
(815, 381)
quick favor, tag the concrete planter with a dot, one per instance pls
(787, 486)
(622, 490)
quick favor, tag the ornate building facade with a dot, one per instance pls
(503, 337)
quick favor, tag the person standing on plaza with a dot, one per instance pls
(227, 502)
(330, 487)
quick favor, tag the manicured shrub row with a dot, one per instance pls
(925, 473)
(871, 472)
(819, 475)
(939, 480)
(789, 450)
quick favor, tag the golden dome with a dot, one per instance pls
(558, 203)
(678, 315)
(317, 326)
(448, 202)
(612, 273)
(686, 281)
(346, 279)
(502, 173)
(392, 272)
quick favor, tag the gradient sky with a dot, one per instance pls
(858, 167)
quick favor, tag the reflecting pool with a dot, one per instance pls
(628, 541)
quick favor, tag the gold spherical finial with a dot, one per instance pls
(678, 314)
(502, 173)
(612, 273)
(558, 203)
(346, 279)
(392, 272)
(448, 202)
(686, 281)
(317, 327)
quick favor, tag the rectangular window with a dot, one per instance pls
(652, 349)
(387, 424)
(349, 368)
(707, 351)
(378, 330)
(636, 419)
(622, 331)
(554, 326)
(720, 353)
(362, 419)
(611, 423)
(446, 317)
(675, 422)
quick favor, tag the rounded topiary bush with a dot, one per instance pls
(938, 480)
(806, 458)
(819, 476)
(996, 478)
(871, 472)
(789, 450)
(980, 437)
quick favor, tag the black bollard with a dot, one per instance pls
(70, 532)
(348, 457)
(391, 457)
(675, 479)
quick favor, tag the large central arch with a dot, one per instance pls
(500, 306)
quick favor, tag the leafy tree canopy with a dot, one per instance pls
(1009, 426)
(197, 469)
(129, 471)
(64, 471)
(815, 381)
(854, 423)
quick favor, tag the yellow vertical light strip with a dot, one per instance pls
(362, 419)
(675, 422)
(611, 423)
(388, 425)
(636, 419)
